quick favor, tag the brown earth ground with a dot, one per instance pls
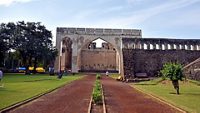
(122, 98)
(72, 98)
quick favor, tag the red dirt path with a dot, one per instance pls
(72, 98)
(122, 98)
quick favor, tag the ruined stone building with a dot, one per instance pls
(123, 51)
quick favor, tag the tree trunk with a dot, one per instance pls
(176, 86)
(27, 66)
(35, 66)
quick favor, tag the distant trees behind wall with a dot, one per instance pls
(26, 44)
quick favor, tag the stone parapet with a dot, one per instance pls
(161, 44)
(99, 31)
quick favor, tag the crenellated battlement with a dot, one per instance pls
(161, 44)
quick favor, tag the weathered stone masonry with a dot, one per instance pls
(80, 38)
(125, 51)
(148, 55)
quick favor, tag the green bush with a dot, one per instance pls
(97, 93)
(98, 76)
(174, 72)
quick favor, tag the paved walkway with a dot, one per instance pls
(72, 98)
(122, 98)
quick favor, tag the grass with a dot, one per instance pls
(189, 98)
(19, 87)
(114, 75)
(97, 92)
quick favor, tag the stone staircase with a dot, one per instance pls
(192, 70)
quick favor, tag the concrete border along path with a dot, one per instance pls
(72, 98)
(122, 98)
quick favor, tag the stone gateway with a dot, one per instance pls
(122, 50)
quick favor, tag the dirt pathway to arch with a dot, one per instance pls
(72, 98)
(122, 98)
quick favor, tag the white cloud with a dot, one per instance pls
(137, 17)
(9, 2)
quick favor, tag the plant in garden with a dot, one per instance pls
(98, 76)
(174, 72)
(97, 93)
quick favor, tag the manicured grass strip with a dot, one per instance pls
(115, 76)
(97, 92)
(189, 98)
(18, 87)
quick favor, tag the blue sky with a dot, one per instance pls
(157, 18)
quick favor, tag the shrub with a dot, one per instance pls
(98, 76)
(174, 72)
(97, 93)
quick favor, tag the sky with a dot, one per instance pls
(156, 18)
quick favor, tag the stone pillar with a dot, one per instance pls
(183, 46)
(194, 47)
(142, 45)
(189, 47)
(74, 56)
(138, 45)
(154, 45)
(134, 45)
(62, 68)
(160, 46)
(172, 46)
(148, 46)
(166, 46)
(178, 46)
(58, 44)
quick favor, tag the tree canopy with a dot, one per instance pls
(31, 40)
(174, 72)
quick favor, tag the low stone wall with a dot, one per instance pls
(151, 61)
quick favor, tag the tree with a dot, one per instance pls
(174, 72)
(6, 32)
(32, 41)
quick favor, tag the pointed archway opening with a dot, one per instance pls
(66, 54)
(99, 56)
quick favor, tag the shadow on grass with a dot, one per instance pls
(173, 93)
(41, 80)
(144, 84)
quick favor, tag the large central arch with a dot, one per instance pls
(84, 42)
(98, 59)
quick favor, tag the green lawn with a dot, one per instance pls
(114, 75)
(19, 87)
(189, 98)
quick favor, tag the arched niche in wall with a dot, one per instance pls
(157, 46)
(174, 46)
(163, 47)
(186, 47)
(151, 46)
(169, 46)
(145, 46)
